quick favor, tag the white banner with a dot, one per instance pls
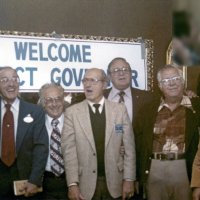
(40, 60)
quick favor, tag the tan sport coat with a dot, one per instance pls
(79, 149)
(195, 181)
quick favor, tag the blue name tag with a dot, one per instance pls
(119, 128)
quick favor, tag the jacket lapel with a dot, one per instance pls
(110, 114)
(85, 123)
(22, 126)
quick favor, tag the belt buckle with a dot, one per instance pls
(171, 156)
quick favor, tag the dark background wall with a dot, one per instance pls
(149, 19)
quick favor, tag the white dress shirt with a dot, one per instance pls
(113, 96)
(15, 110)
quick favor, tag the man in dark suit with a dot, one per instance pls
(119, 73)
(166, 133)
(26, 155)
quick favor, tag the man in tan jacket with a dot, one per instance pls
(93, 132)
(195, 182)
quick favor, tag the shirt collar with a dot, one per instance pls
(101, 102)
(114, 92)
(186, 102)
(60, 119)
(14, 105)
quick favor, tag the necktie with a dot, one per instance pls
(121, 96)
(96, 109)
(56, 157)
(8, 138)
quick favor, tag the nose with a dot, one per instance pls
(172, 82)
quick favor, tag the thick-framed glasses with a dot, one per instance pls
(6, 80)
(168, 81)
(55, 100)
(117, 71)
(91, 81)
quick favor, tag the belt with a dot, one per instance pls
(52, 175)
(168, 156)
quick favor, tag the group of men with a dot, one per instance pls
(104, 146)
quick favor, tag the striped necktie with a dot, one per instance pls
(121, 96)
(56, 157)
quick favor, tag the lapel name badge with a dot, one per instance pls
(119, 128)
(28, 118)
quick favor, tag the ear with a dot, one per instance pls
(105, 85)
(160, 86)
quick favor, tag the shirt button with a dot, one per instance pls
(94, 154)
(147, 172)
(94, 171)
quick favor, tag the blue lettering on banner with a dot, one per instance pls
(20, 50)
(134, 77)
(30, 71)
(35, 51)
(67, 76)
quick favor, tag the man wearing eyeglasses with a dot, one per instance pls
(166, 133)
(23, 140)
(93, 133)
(120, 74)
(51, 97)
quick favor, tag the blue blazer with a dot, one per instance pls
(31, 142)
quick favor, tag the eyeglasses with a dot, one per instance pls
(167, 81)
(116, 71)
(6, 80)
(55, 100)
(92, 81)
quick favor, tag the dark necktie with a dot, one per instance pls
(121, 96)
(8, 138)
(96, 109)
(56, 157)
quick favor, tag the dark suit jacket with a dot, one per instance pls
(139, 98)
(31, 143)
(143, 129)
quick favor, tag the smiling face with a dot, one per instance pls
(171, 83)
(94, 84)
(9, 84)
(53, 101)
(120, 74)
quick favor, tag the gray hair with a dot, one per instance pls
(45, 87)
(166, 67)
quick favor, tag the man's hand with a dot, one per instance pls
(30, 189)
(74, 193)
(127, 189)
(190, 94)
(196, 194)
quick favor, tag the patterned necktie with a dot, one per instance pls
(56, 157)
(96, 109)
(8, 138)
(121, 96)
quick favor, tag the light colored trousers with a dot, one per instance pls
(168, 180)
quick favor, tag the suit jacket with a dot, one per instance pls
(31, 143)
(195, 182)
(143, 129)
(139, 98)
(79, 149)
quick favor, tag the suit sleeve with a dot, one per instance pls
(40, 147)
(69, 150)
(195, 182)
(129, 145)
